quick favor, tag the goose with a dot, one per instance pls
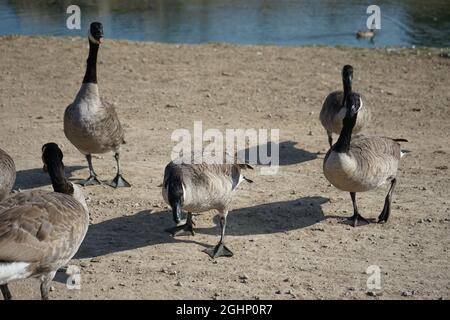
(40, 232)
(368, 34)
(362, 163)
(199, 186)
(7, 174)
(92, 126)
(333, 109)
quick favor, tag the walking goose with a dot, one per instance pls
(361, 163)
(40, 232)
(7, 174)
(333, 108)
(204, 185)
(90, 125)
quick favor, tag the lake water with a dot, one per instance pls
(281, 22)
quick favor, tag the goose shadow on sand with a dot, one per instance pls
(35, 178)
(288, 153)
(145, 229)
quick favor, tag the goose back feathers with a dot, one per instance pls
(204, 186)
(369, 163)
(7, 174)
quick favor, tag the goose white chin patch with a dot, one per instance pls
(12, 271)
(92, 38)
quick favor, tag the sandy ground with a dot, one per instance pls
(287, 230)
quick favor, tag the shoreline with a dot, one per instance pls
(73, 38)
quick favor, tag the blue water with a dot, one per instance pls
(281, 22)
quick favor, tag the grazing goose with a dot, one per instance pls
(333, 108)
(40, 232)
(205, 185)
(361, 163)
(7, 174)
(90, 125)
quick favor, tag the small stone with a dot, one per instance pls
(286, 280)
(52, 289)
(95, 260)
(179, 284)
(278, 292)
(407, 293)
(243, 277)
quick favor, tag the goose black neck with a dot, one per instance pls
(347, 87)
(59, 181)
(91, 68)
(343, 143)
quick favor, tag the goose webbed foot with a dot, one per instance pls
(220, 250)
(119, 182)
(5, 291)
(91, 181)
(183, 229)
(356, 218)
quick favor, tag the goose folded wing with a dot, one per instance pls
(25, 233)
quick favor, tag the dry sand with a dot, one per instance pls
(286, 230)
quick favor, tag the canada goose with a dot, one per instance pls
(361, 163)
(333, 109)
(199, 186)
(90, 125)
(40, 232)
(369, 34)
(7, 174)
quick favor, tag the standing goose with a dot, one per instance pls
(361, 163)
(90, 125)
(333, 108)
(7, 174)
(205, 185)
(40, 232)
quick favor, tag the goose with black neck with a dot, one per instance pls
(90, 124)
(41, 231)
(362, 163)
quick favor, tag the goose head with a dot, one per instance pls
(353, 105)
(52, 157)
(96, 33)
(347, 74)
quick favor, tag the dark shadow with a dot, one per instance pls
(271, 217)
(146, 229)
(34, 178)
(288, 153)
